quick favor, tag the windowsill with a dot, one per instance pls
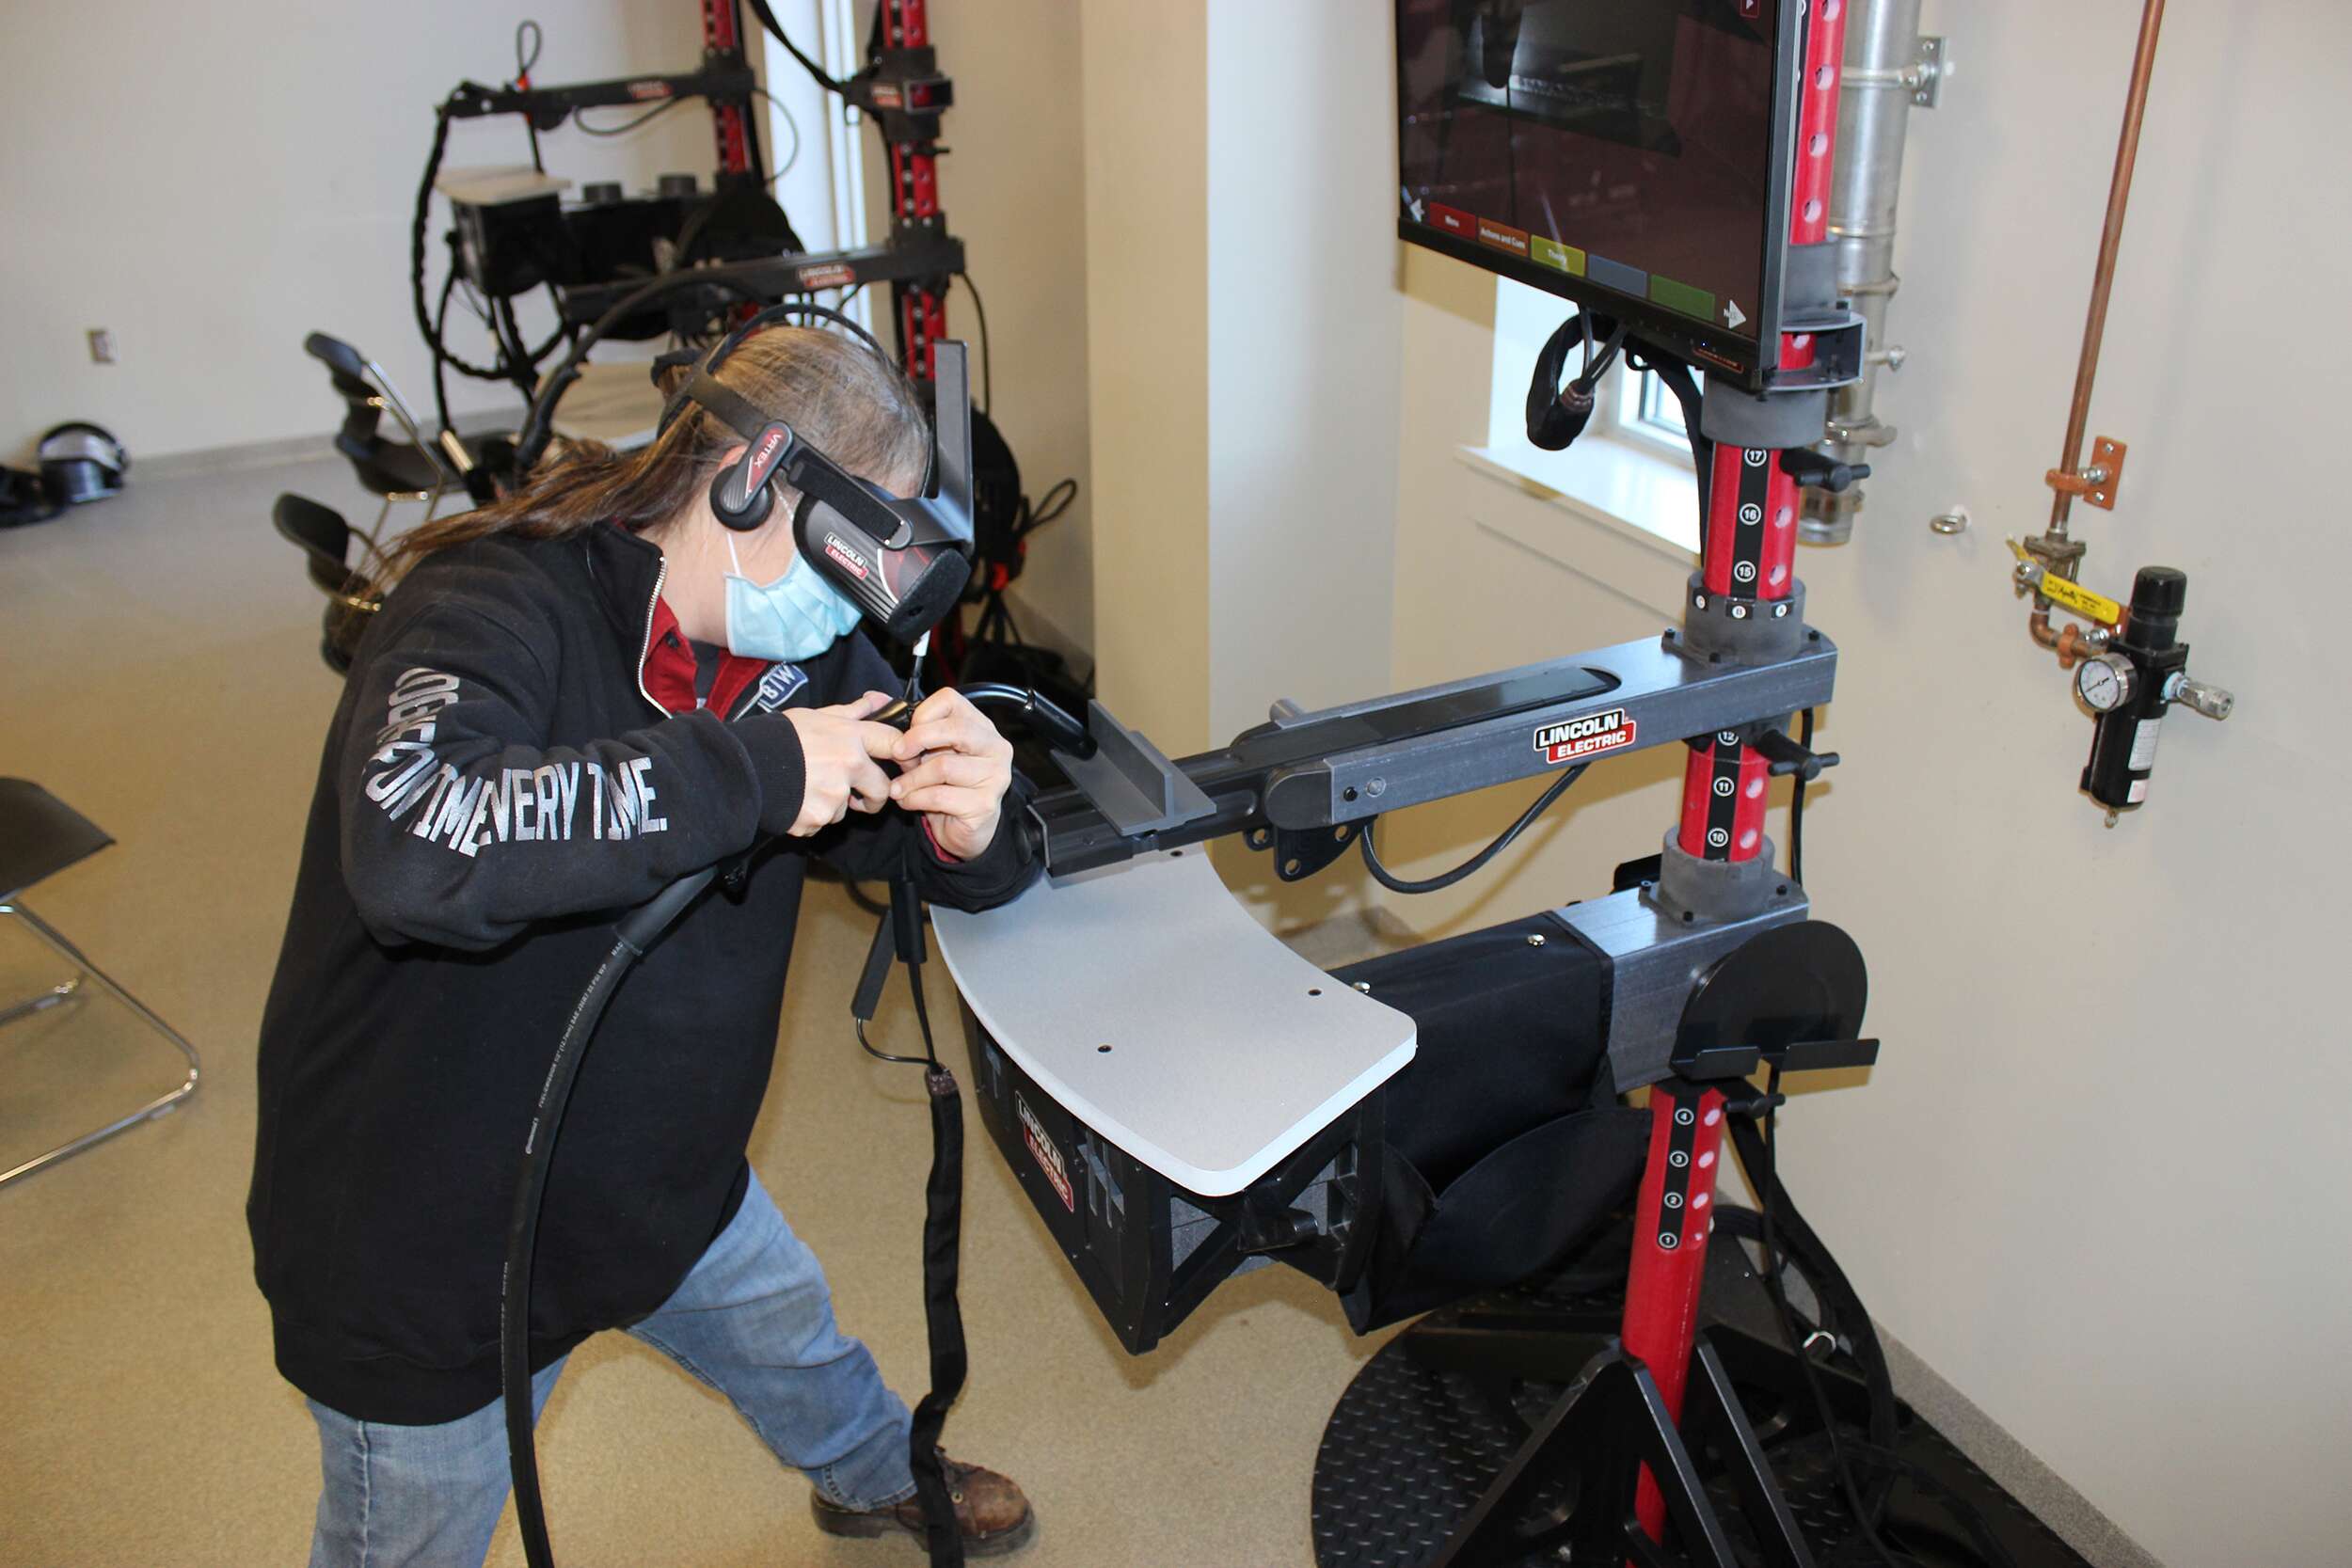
(1645, 497)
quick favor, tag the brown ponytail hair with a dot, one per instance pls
(835, 390)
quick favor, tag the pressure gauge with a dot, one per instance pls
(2105, 682)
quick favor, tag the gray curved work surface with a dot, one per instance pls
(1228, 1049)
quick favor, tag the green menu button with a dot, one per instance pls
(1551, 253)
(1682, 298)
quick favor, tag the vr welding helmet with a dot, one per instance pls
(902, 560)
(81, 462)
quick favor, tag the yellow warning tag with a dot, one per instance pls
(2081, 600)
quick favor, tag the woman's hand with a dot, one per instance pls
(839, 746)
(958, 769)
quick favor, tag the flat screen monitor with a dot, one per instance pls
(1630, 155)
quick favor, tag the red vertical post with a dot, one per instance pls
(1671, 1220)
(1722, 800)
(1749, 550)
(914, 201)
(1747, 555)
(1816, 121)
(723, 34)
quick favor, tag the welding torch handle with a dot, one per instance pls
(1048, 721)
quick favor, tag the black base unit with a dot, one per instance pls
(1147, 1250)
(1498, 1149)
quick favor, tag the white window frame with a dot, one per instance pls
(825, 190)
(1649, 412)
(1624, 469)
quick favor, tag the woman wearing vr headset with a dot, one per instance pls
(572, 699)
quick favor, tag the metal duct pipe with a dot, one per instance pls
(1889, 69)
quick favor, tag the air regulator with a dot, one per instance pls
(2133, 666)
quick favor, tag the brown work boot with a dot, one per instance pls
(995, 1517)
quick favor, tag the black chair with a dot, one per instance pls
(323, 536)
(413, 469)
(41, 835)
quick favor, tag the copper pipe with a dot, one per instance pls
(2038, 625)
(2102, 280)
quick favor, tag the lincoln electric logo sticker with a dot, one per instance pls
(1048, 1158)
(849, 561)
(1572, 740)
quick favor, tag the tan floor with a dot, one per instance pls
(162, 676)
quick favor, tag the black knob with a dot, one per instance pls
(1784, 755)
(2158, 595)
(600, 193)
(1812, 468)
(677, 184)
(2159, 591)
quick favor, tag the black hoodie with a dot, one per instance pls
(498, 786)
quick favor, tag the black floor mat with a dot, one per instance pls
(1409, 1448)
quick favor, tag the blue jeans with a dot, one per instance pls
(753, 1319)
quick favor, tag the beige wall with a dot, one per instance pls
(1302, 356)
(1244, 359)
(1147, 195)
(2093, 1181)
(213, 182)
(1015, 191)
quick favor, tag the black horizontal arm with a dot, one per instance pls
(547, 107)
(1340, 765)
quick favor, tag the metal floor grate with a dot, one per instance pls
(1409, 1448)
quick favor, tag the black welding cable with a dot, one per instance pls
(530, 39)
(1395, 883)
(419, 229)
(636, 932)
(1769, 1201)
(1056, 500)
(418, 226)
(1675, 376)
(441, 360)
(790, 124)
(630, 124)
(512, 348)
(522, 360)
(531, 440)
(526, 57)
(988, 358)
(522, 1240)
(881, 1056)
(768, 20)
(1759, 1153)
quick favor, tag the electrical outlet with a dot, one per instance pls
(102, 346)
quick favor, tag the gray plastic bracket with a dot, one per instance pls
(1130, 781)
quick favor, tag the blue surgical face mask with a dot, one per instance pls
(796, 617)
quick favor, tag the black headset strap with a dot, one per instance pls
(802, 466)
(707, 373)
(783, 311)
(741, 415)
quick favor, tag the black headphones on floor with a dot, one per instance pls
(902, 560)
